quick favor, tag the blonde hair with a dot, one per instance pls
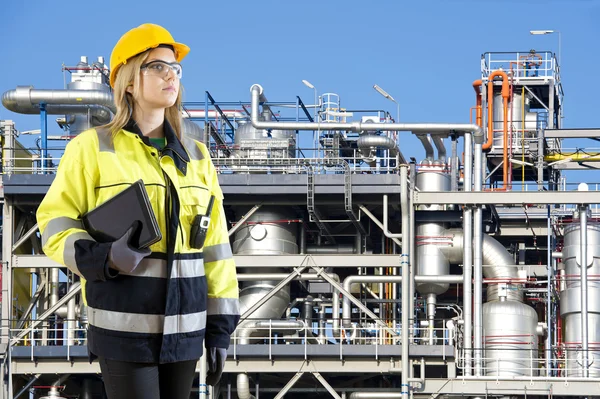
(129, 75)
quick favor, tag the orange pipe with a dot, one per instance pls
(476, 87)
(490, 137)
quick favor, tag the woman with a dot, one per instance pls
(149, 310)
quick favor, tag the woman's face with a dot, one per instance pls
(159, 80)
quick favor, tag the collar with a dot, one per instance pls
(173, 148)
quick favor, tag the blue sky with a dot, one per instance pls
(424, 53)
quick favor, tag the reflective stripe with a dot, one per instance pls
(217, 252)
(105, 140)
(58, 225)
(229, 306)
(185, 323)
(192, 148)
(128, 322)
(187, 268)
(157, 268)
(69, 250)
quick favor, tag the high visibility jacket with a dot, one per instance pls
(178, 296)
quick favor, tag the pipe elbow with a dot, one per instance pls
(258, 87)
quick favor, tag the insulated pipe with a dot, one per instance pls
(335, 302)
(359, 279)
(243, 386)
(441, 148)
(490, 134)
(100, 112)
(367, 141)
(243, 383)
(468, 253)
(71, 322)
(583, 248)
(405, 275)
(54, 274)
(200, 114)
(477, 264)
(257, 93)
(426, 140)
(376, 395)
(477, 88)
(27, 96)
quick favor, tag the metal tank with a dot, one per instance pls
(86, 77)
(250, 142)
(510, 339)
(516, 112)
(265, 233)
(432, 176)
(570, 299)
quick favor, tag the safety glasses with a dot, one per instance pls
(161, 69)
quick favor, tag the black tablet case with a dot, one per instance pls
(110, 220)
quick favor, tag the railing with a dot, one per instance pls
(523, 361)
(529, 64)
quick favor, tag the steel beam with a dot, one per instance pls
(264, 261)
(572, 133)
(508, 198)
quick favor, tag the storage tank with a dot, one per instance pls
(432, 176)
(510, 339)
(86, 77)
(570, 299)
(518, 108)
(265, 233)
(250, 142)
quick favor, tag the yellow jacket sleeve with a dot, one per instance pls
(70, 196)
(223, 304)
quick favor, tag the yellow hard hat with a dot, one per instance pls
(138, 40)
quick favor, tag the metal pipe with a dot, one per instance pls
(426, 141)
(431, 302)
(468, 259)
(71, 322)
(379, 224)
(432, 128)
(333, 249)
(243, 219)
(50, 311)
(54, 273)
(584, 289)
(385, 211)
(478, 265)
(549, 300)
(405, 274)
(411, 245)
(335, 303)
(367, 141)
(441, 148)
(358, 279)
(27, 386)
(26, 97)
(100, 113)
(377, 395)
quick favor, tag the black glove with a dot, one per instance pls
(123, 256)
(216, 362)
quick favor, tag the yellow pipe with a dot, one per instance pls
(574, 156)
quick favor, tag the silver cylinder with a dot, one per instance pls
(83, 122)
(571, 299)
(510, 339)
(430, 260)
(250, 142)
(265, 233)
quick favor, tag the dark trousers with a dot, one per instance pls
(126, 380)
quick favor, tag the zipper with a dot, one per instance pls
(168, 205)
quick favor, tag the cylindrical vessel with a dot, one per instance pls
(265, 233)
(261, 144)
(430, 236)
(83, 122)
(510, 339)
(570, 299)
